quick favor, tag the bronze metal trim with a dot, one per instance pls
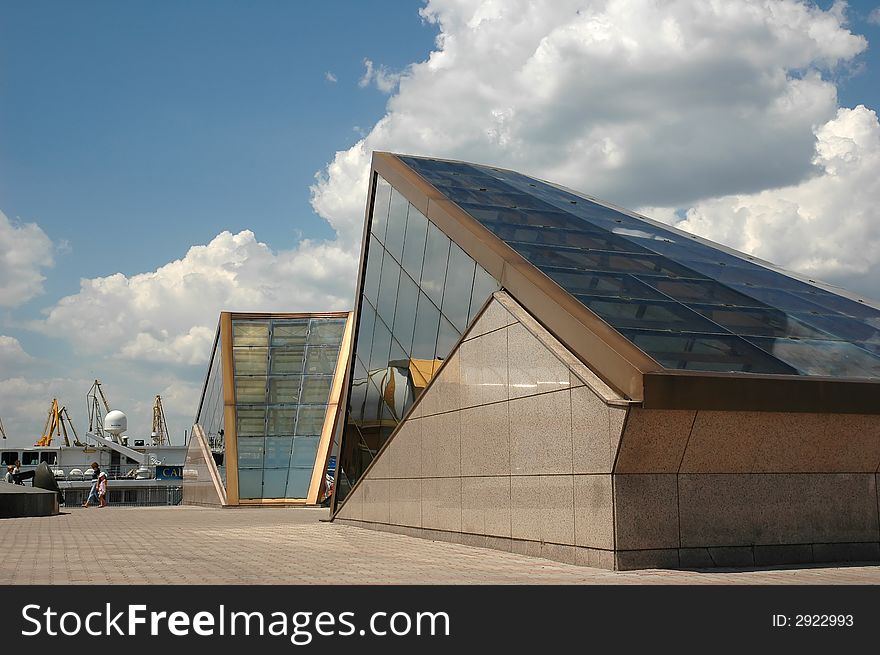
(230, 437)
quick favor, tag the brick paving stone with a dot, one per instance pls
(196, 545)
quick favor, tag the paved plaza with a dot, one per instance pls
(195, 545)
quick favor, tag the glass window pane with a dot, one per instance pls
(777, 299)
(405, 314)
(298, 481)
(251, 421)
(388, 290)
(250, 361)
(457, 292)
(366, 323)
(414, 246)
(381, 346)
(287, 360)
(250, 483)
(250, 452)
(603, 284)
(648, 315)
(290, 333)
(305, 450)
(702, 352)
(374, 269)
(281, 421)
(394, 236)
(278, 453)
(698, 291)
(373, 401)
(815, 357)
(316, 390)
(356, 399)
(275, 483)
(326, 331)
(484, 286)
(310, 419)
(757, 322)
(321, 359)
(380, 208)
(843, 327)
(446, 338)
(284, 390)
(425, 334)
(434, 269)
(250, 334)
(250, 390)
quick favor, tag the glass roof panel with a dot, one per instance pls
(684, 301)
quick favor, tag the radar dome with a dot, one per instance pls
(115, 422)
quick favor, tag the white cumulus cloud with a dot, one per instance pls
(170, 314)
(12, 355)
(641, 103)
(25, 252)
(384, 79)
(827, 226)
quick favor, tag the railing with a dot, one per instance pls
(143, 496)
(145, 472)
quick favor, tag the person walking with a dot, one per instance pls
(102, 489)
(93, 492)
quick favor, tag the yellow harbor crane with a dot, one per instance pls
(160, 427)
(56, 425)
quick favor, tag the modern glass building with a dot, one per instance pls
(539, 370)
(264, 429)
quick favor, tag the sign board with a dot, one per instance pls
(169, 472)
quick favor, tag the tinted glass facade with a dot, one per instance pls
(685, 303)
(283, 371)
(420, 291)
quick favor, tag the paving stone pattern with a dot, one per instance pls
(198, 545)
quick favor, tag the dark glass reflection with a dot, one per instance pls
(396, 232)
(423, 308)
(457, 292)
(436, 260)
(380, 209)
(574, 239)
(414, 246)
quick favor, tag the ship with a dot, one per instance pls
(140, 470)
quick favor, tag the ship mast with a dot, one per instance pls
(160, 427)
(95, 398)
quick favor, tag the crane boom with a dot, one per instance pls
(56, 426)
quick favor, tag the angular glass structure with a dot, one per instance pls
(686, 303)
(419, 293)
(269, 404)
(538, 367)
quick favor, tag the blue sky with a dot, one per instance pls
(135, 129)
(132, 131)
